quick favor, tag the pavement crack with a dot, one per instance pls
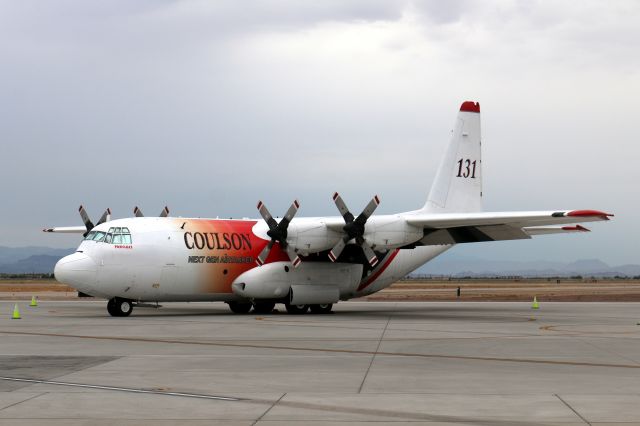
(24, 400)
(269, 409)
(366, 374)
(572, 409)
(121, 389)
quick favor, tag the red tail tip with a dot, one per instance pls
(470, 106)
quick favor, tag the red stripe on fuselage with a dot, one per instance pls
(371, 278)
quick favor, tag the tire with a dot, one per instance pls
(118, 307)
(321, 309)
(296, 309)
(240, 307)
(263, 307)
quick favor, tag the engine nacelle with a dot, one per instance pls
(313, 282)
(390, 232)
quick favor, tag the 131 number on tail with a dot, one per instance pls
(466, 168)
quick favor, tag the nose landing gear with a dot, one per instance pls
(118, 307)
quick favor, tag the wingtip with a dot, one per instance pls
(589, 213)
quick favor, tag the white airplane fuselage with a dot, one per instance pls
(180, 259)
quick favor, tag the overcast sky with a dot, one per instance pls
(208, 106)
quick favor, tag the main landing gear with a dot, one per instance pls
(266, 307)
(118, 307)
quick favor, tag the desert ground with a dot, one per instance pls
(560, 290)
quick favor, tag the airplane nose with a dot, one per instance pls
(77, 270)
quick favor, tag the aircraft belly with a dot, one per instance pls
(395, 267)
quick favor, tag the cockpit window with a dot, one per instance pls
(115, 235)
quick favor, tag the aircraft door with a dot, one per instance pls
(168, 280)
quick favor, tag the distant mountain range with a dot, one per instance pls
(461, 266)
(27, 260)
(41, 260)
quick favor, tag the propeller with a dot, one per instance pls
(138, 213)
(354, 229)
(278, 233)
(106, 216)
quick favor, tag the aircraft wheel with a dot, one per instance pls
(321, 309)
(118, 307)
(240, 307)
(296, 309)
(263, 307)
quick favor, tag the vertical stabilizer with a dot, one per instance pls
(458, 183)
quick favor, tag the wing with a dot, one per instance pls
(499, 226)
(67, 229)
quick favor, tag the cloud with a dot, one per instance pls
(209, 106)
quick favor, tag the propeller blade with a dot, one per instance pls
(164, 212)
(137, 212)
(369, 254)
(106, 217)
(278, 232)
(85, 218)
(293, 209)
(262, 257)
(293, 256)
(369, 209)
(264, 212)
(337, 249)
(342, 207)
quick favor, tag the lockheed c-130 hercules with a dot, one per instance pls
(305, 263)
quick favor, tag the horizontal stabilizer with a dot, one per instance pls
(546, 230)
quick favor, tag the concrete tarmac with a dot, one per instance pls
(402, 363)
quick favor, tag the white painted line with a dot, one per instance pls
(113, 388)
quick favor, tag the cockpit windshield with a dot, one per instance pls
(116, 235)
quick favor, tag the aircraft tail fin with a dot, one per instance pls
(458, 183)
